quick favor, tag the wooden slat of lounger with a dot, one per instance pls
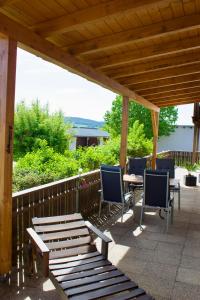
(144, 297)
(64, 234)
(91, 279)
(59, 227)
(72, 251)
(130, 295)
(83, 274)
(73, 258)
(94, 265)
(69, 243)
(57, 219)
(106, 291)
(77, 263)
(95, 286)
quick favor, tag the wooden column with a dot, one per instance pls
(194, 144)
(124, 132)
(155, 126)
(196, 121)
(7, 92)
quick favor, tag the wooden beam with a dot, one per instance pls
(156, 64)
(101, 11)
(37, 45)
(124, 132)
(155, 126)
(173, 26)
(171, 88)
(152, 51)
(167, 82)
(172, 95)
(8, 50)
(162, 74)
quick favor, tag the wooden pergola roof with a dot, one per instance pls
(146, 50)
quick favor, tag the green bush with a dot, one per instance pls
(42, 166)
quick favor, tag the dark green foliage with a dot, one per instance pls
(168, 118)
(33, 124)
(42, 166)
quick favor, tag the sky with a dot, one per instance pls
(62, 90)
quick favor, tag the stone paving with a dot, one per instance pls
(166, 265)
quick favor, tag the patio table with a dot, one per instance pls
(138, 180)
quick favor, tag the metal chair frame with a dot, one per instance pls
(123, 195)
(169, 201)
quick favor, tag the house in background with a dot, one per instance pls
(180, 140)
(85, 137)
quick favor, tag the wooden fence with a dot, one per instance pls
(78, 193)
(74, 194)
(182, 157)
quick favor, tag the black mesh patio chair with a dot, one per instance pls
(157, 193)
(136, 166)
(112, 189)
(168, 165)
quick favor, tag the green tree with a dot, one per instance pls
(168, 118)
(33, 124)
(138, 143)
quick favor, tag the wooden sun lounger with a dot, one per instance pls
(71, 260)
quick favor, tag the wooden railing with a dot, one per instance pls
(183, 157)
(74, 194)
(78, 193)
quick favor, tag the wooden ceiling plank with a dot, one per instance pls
(152, 51)
(162, 74)
(170, 88)
(79, 18)
(45, 49)
(178, 102)
(6, 2)
(156, 64)
(174, 94)
(168, 82)
(109, 41)
(194, 96)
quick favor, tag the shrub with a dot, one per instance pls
(42, 166)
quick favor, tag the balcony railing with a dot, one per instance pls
(74, 194)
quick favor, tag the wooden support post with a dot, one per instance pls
(124, 132)
(7, 93)
(155, 126)
(194, 144)
(196, 121)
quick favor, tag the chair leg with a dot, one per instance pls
(100, 203)
(172, 213)
(179, 199)
(141, 216)
(109, 208)
(167, 225)
(122, 212)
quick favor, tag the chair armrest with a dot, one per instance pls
(43, 249)
(100, 234)
(38, 242)
(105, 240)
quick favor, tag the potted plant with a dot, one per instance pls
(190, 179)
